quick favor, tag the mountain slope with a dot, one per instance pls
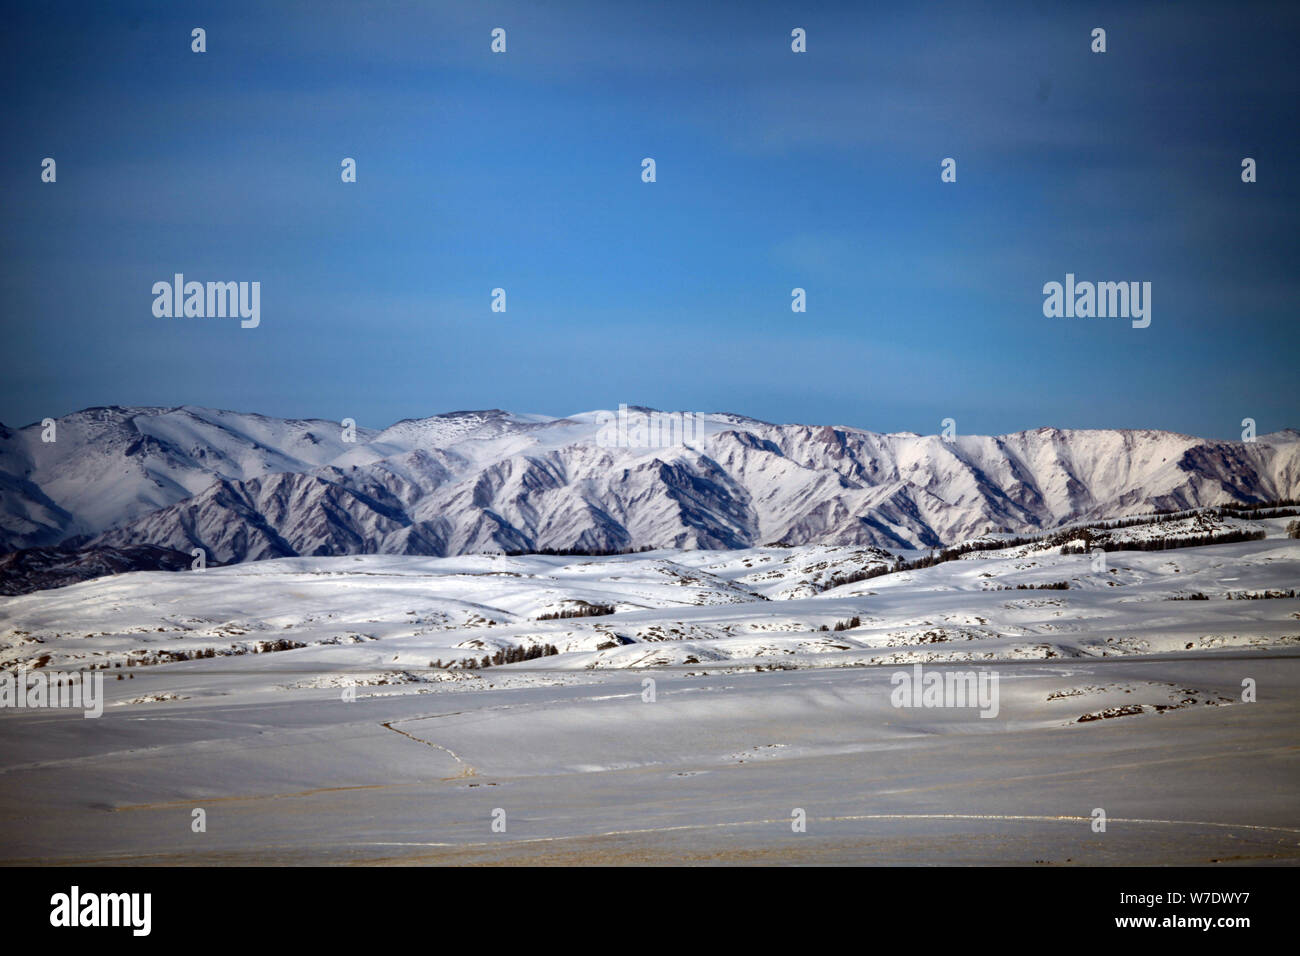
(245, 486)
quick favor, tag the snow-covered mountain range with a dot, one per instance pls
(246, 486)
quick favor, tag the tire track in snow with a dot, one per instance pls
(466, 769)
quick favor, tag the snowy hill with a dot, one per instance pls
(394, 702)
(750, 606)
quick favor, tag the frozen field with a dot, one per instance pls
(757, 711)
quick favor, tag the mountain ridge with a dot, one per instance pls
(245, 486)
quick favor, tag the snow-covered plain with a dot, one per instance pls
(760, 707)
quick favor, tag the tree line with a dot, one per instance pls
(586, 610)
(509, 655)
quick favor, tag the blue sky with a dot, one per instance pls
(775, 170)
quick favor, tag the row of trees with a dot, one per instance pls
(1240, 595)
(1248, 510)
(1260, 595)
(508, 655)
(927, 561)
(1255, 510)
(583, 610)
(202, 653)
(851, 623)
(1166, 544)
(580, 552)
